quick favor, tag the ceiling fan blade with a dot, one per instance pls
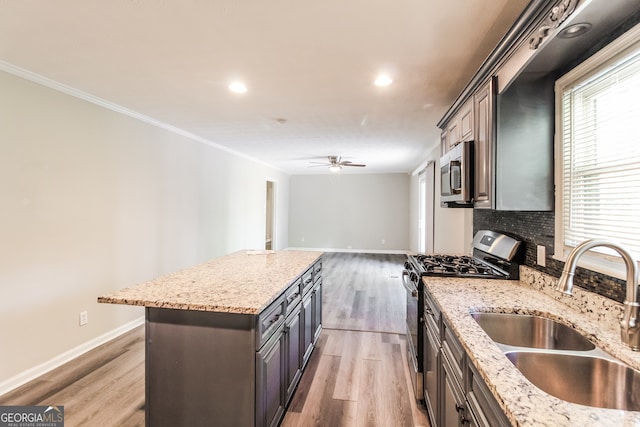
(358, 165)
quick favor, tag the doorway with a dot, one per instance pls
(270, 216)
(426, 194)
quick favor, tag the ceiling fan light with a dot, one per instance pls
(335, 168)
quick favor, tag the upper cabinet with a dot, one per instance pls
(508, 107)
(484, 107)
(459, 129)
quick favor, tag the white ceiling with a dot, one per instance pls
(311, 63)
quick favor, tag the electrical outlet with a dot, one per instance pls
(541, 252)
(383, 241)
(84, 318)
(302, 239)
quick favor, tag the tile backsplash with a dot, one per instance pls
(537, 228)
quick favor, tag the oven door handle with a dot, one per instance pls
(407, 286)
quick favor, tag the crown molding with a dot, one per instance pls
(76, 93)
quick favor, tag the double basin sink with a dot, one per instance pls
(562, 362)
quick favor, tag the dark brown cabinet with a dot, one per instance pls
(316, 305)
(307, 334)
(269, 373)
(293, 345)
(455, 394)
(431, 359)
(484, 107)
(231, 369)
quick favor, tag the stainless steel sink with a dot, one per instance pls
(531, 331)
(586, 380)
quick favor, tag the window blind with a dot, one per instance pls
(601, 156)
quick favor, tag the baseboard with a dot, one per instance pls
(61, 359)
(360, 251)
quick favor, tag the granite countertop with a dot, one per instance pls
(243, 282)
(526, 405)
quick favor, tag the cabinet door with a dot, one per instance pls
(443, 143)
(466, 121)
(483, 407)
(453, 134)
(293, 361)
(452, 406)
(484, 101)
(307, 329)
(316, 305)
(431, 366)
(269, 381)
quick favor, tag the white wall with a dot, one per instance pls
(453, 228)
(349, 211)
(92, 201)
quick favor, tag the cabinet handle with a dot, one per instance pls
(460, 408)
(293, 297)
(275, 319)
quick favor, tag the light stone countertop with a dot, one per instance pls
(526, 405)
(243, 282)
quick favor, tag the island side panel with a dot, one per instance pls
(200, 368)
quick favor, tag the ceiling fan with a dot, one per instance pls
(336, 163)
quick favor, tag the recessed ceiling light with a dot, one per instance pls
(238, 87)
(574, 30)
(383, 80)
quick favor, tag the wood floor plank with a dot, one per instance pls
(335, 342)
(347, 384)
(370, 398)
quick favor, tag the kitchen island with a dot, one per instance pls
(522, 403)
(227, 340)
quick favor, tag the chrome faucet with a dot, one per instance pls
(629, 326)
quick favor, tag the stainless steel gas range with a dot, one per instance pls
(494, 257)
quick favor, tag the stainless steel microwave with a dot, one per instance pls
(456, 175)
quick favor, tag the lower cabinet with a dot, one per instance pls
(316, 308)
(293, 345)
(453, 404)
(311, 319)
(455, 393)
(482, 408)
(307, 328)
(269, 373)
(431, 365)
(229, 369)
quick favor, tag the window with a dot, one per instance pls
(598, 153)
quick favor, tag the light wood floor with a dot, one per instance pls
(363, 292)
(357, 375)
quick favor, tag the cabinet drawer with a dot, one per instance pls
(317, 271)
(307, 281)
(431, 309)
(293, 296)
(269, 320)
(453, 349)
(482, 404)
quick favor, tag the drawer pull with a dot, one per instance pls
(293, 297)
(275, 319)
